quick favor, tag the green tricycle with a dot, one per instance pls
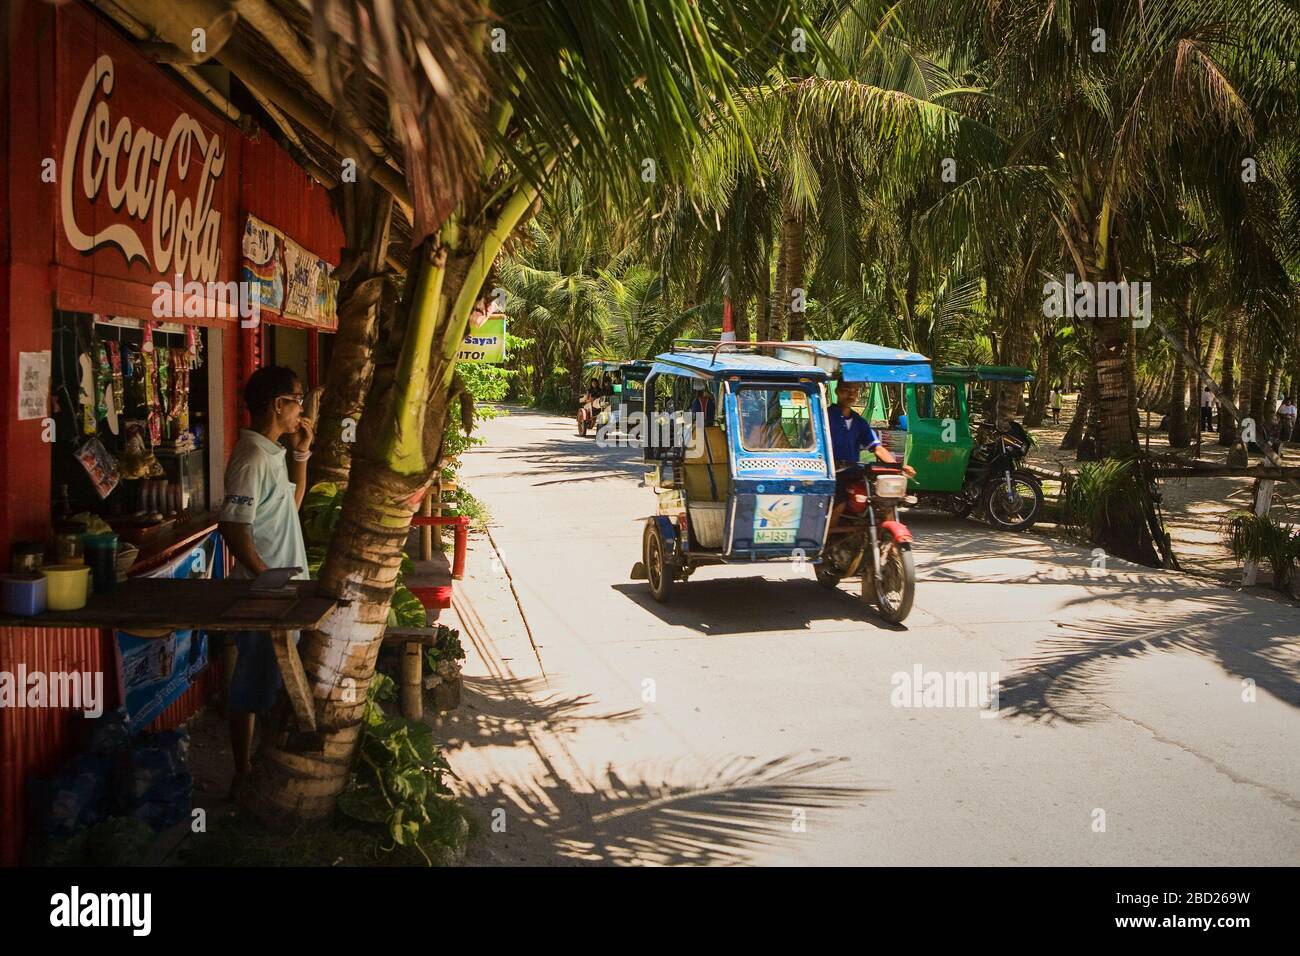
(961, 464)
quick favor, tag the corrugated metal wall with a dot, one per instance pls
(35, 740)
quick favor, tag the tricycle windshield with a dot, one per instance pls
(773, 418)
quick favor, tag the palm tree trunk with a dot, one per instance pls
(347, 380)
(1228, 380)
(1074, 433)
(763, 310)
(400, 442)
(780, 302)
(792, 242)
(1037, 411)
(740, 315)
(1180, 435)
(366, 212)
(301, 775)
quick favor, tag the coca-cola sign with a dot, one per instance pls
(159, 183)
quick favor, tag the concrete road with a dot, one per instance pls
(1141, 717)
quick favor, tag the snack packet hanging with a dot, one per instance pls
(119, 386)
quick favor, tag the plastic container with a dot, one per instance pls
(28, 557)
(101, 558)
(126, 555)
(68, 546)
(24, 594)
(67, 586)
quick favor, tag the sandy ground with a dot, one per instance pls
(1144, 717)
(1195, 508)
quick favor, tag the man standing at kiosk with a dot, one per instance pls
(259, 522)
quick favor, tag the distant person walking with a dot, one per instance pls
(1288, 413)
(1055, 401)
(1207, 409)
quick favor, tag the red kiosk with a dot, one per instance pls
(116, 180)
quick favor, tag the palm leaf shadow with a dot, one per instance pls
(1065, 679)
(718, 814)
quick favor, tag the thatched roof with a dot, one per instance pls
(301, 103)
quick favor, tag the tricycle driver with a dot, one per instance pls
(850, 433)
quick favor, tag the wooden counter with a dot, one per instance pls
(163, 605)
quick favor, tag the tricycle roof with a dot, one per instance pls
(860, 361)
(988, 373)
(717, 364)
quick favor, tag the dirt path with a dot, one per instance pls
(1195, 508)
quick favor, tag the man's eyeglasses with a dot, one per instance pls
(294, 398)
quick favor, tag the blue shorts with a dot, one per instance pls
(256, 681)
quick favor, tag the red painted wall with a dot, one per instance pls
(46, 48)
(33, 741)
(278, 191)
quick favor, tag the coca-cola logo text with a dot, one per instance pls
(134, 164)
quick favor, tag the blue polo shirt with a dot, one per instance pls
(849, 435)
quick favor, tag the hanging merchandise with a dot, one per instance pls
(163, 360)
(99, 465)
(133, 375)
(180, 405)
(105, 405)
(119, 390)
(113, 393)
(194, 345)
(103, 378)
(86, 392)
(149, 375)
(137, 460)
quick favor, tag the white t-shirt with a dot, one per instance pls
(1288, 410)
(260, 493)
(1207, 399)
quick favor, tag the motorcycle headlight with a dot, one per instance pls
(891, 486)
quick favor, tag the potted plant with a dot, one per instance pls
(442, 665)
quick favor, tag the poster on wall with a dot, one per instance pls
(33, 385)
(263, 265)
(310, 289)
(157, 670)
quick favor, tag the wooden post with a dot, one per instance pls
(295, 678)
(1263, 502)
(437, 507)
(412, 689)
(426, 532)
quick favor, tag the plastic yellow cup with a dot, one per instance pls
(66, 586)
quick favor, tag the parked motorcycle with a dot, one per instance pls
(1011, 496)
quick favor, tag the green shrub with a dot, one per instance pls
(1253, 537)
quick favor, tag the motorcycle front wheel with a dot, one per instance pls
(894, 589)
(1017, 509)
